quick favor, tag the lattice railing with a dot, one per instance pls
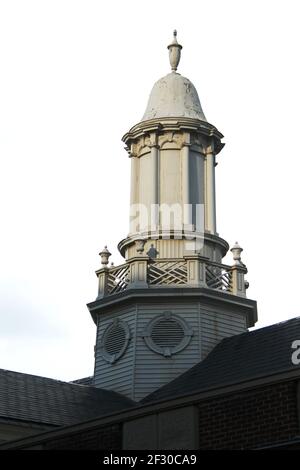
(167, 272)
(118, 278)
(218, 276)
(190, 272)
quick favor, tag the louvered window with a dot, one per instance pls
(114, 341)
(167, 334)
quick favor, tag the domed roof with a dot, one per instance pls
(174, 96)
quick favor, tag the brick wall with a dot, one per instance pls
(239, 420)
(108, 438)
(248, 419)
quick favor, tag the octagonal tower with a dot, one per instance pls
(173, 299)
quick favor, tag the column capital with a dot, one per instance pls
(210, 150)
(130, 151)
(185, 144)
(186, 140)
(153, 139)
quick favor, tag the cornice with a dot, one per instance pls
(239, 305)
(160, 235)
(174, 124)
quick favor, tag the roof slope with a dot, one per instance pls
(83, 381)
(42, 400)
(236, 359)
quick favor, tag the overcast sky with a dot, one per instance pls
(74, 77)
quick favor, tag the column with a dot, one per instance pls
(134, 179)
(210, 191)
(154, 183)
(134, 191)
(185, 182)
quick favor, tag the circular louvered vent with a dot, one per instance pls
(114, 341)
(167, 334)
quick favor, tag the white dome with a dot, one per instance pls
(174, 96)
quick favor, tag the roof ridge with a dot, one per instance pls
(43, 378)
(256, 330)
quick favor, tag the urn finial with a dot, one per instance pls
(104, 254)
(174, 52)
(236, 251)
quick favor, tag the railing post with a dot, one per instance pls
(102, 275)
(196, 272)
(238, 286)
(138, 272)
(238, 271)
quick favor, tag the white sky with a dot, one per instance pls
(74, 77)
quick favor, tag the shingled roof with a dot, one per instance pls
(83, 381)
(41, 400)
(237, 359)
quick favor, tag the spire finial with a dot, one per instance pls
(174, 52)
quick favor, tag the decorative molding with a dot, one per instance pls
(143, 142)
(239, 305)
(172, 124)
(168, 349)
(171, 137)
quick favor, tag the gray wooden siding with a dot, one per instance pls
(117, 376)
(216, 325)
(140, 370)
(153, 370)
